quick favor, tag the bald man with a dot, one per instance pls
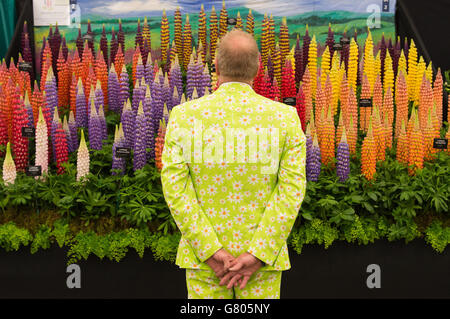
(234, 179)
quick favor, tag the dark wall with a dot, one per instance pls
(428, 23)
(24, 9)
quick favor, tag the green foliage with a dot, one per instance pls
(41, 239)
(437, 236)
(115, 246)
(316, 231)
(12, 237)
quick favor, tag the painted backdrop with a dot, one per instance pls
(343, 15)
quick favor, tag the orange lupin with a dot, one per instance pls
(368, 155)
(416, 149)
(402, 145)
(378, 134)
(306, 80)
(339, 129)
(425, 101)
(320, 102)
(352, 105)
(136, 58)
(378, 94)
(429, 134)
(63, 80)
(343, 97)
(101, 73)
(387, 131)
(329, 95)
(327, 139)
(401, 102)
(388, 106)
(119, 59)
(352, 135)
(437, 94)
(159, 144)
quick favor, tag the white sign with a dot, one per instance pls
(50, 12)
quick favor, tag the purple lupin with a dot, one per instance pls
(51, 92)
(81, 117)
(54, 127)
(191, 77)
(136, 97)
(65, 126)
(158, 103)
(95, 133)
(124, 88)
(27, 105)
(313, 160)
(73, 131)
(175, 98)
(113, 89)
(343, 158)
(99, 98)
(118, 163)
(150, 132)
(175, 78)
(140, 73)
(140, 158)
(128, 123)
(205, 82)
(167, 94)
(102, 120)
(148, 70)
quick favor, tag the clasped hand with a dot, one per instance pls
(233, 271)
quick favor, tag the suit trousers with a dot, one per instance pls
(203, 284)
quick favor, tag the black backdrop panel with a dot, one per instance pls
(411, 270)
(428, 23)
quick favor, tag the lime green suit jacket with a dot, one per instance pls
(233, 175)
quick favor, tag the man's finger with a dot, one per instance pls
(226, 278)
(227, 263)
(238, 266)
(233, 280)
(244, 282)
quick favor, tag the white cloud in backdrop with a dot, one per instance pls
(130, 6)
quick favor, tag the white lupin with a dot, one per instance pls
(42, 143)
(9, 168)
(82, 158)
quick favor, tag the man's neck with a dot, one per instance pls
(222, 80)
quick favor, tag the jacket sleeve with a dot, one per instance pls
(181, 197)
(283, 206)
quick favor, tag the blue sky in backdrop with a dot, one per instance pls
(133, 8)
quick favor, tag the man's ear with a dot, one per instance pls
(217, 66)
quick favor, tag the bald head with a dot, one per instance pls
(237, 56)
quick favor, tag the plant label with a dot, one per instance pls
(25, 66)
(231, 21)
(28, 131)
(123, 152)
(365, 103)
(337, 46)
(33, 170)
(440, 143)
(292, 101)
(385, 6)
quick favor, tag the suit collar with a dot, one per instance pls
(228, 86)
